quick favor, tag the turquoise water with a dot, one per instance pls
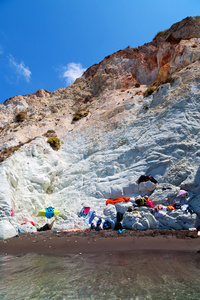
(138, 275)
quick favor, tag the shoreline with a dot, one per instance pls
(105, 241)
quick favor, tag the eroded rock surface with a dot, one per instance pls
(117, 135)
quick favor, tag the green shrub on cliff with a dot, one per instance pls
(79, 115)
(54, 142)
(160, 34)
(148, 91)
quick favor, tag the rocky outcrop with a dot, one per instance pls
(184, 30)
(170, 50)
(119, 135)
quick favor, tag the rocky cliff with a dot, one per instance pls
(136, 112)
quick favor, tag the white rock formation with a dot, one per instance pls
(97, 162)
(123, 136)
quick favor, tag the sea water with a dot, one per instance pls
(120, 275)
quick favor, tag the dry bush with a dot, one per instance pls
(50, 133)
(21, 116)
(137, 84)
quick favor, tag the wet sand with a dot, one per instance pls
(105, 241)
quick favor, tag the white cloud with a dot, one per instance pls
(72, 71)
(20, 68)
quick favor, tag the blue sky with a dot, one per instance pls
(48, 43)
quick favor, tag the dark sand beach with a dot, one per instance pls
(105, 241)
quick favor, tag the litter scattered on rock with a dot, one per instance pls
(141, 212)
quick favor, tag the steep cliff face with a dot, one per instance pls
(168, 52)
(110, 134)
